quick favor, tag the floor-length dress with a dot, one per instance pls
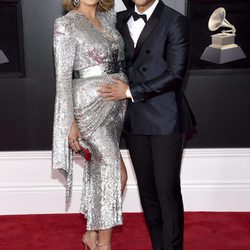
(94, 56)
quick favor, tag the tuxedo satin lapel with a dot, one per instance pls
(126, 35)
(149, 27)
(130, 42)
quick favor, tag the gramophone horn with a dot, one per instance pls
(218, 19)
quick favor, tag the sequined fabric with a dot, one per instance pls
(97, 56)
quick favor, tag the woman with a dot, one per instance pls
(87, 44)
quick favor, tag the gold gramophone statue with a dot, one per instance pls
(223, 48)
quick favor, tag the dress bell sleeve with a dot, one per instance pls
(64, 54)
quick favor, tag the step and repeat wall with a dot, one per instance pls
(219, 97)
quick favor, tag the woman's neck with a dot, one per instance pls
(88, 10)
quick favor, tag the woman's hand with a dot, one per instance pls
(74, 136)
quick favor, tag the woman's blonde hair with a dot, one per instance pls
(103, 5)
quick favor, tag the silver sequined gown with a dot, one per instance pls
(95, 56)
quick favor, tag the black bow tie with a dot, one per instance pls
(137, 16)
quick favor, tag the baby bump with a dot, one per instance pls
(90, 109)
(85, 90)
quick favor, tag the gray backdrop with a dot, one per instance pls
(179, 5)
(220, 101)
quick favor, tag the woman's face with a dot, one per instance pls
(89, 2)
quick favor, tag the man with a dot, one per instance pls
(157, 55)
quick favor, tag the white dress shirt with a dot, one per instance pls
(136, 27)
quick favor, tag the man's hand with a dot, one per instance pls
(114, 91)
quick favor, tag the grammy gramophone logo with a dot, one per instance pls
(3, 57)
(223, 48)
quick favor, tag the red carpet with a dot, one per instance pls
(203, 231)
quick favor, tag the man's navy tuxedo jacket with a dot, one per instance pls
(155, 69)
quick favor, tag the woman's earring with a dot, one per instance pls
(76, 3)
